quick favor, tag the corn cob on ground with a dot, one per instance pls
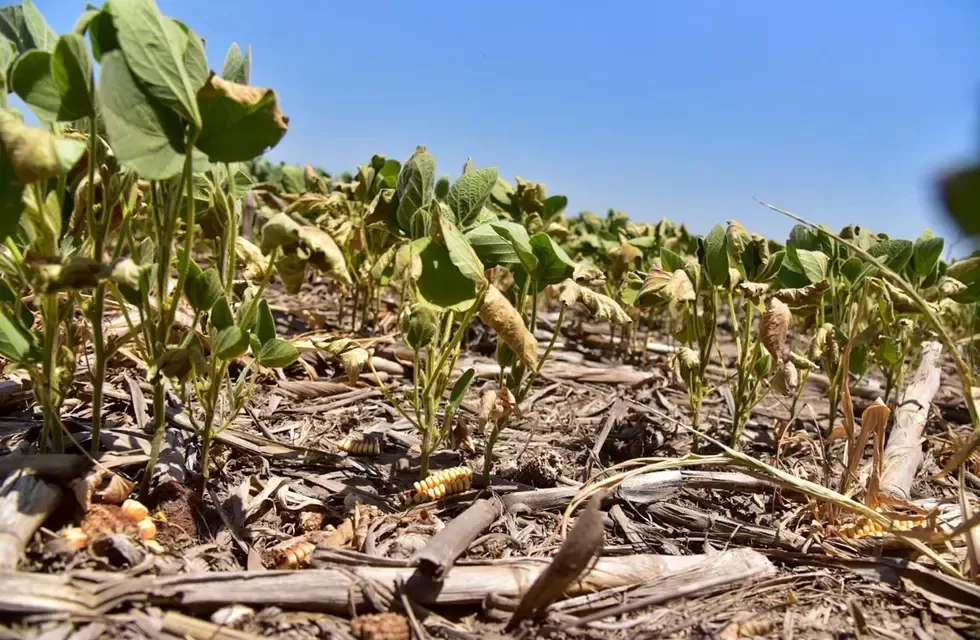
(360, 446)
(439, 485)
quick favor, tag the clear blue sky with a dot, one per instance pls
(838, 110)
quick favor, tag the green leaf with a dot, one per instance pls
(15, 343)
(441, 285)
(277, 353)
(103, 35)
(771, 267)
(470, 193)
(240, 122)
(221, 315)
(231, 343)
(889, 352)
(157, 51)
(894, 253)
(31, 80)
(671, 261)
(144, 135)
(42, 35)
(492, 249)
(415, 190)
(966, 271)
(516, 234)
(8, 53)
(926, 254)
(265, 323)
(461, 253)
(72, 71)
(853, 269)
(204, 289)
(293, 180)
(237, 67)
(554, 265)
(813, 264)
(389, 173)
(716, 256)
(553, 206)
(459, 390)
(14, 27)
(859, 359)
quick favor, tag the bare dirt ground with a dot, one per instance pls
(282, 495)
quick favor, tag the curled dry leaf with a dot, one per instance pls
(250, 257)
(664, 287)
(500, 314)
(787, 378)
(602, 307)
(352, 356)
(103, 486)
(807, 296)
(775, 327)
(495, 405)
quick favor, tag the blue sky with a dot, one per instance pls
(840, 111)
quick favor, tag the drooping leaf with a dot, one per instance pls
(552, 206)
(144, 135)
(600, 306)
(31, 80)
(517, 235)
(72, 71)
(926, 253)
(231, 342)
(716, 256)
(554, 265)
(459, 389)
(441, 285)
(813, 264)
(415, 190)
(237, 67)
(14, 27)
(240, 122)
(493, 249)
(671, 261)
(265, 323)
(42, 35)
(102, 34)
(497, 312)
(31, 154)
(8, 53)
(157, 51)
(662, 287)
(277, 353)
(221, 314)
(470, 192)
(323, 253)
(293, 180)
(15, 343)
(204, 289)
(895, 254)
(461, 253)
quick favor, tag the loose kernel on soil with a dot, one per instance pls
(134, 511)
(147, 529)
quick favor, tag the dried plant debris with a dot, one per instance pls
(381, 626)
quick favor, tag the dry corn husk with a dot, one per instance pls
(775, 326)
(500, 314)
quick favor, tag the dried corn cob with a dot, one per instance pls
(867, 528)
(439, 485)
(360, 446)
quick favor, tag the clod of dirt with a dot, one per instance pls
(180, 505)
(541, 471)
(381, 626)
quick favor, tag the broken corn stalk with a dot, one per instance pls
(360, 446)
(439, 485)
